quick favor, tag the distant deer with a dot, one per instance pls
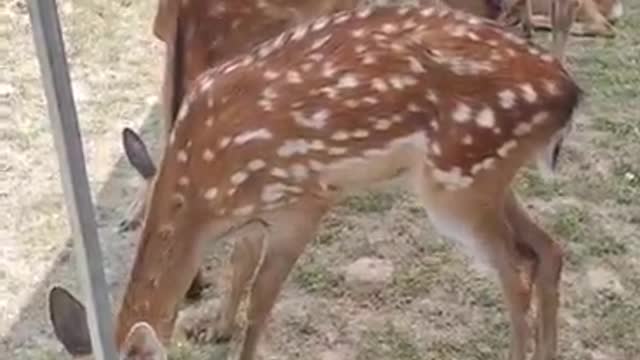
(212, 31)
(579, 17)
(448, 103)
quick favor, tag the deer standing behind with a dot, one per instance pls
(447, 103)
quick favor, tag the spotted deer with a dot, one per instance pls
(447, 103)
(210, 32)
(219, 30)
(205, 34)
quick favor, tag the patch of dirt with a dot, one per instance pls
(437, 306)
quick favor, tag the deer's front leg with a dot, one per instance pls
(290, 231)
(248, 251)
(563, 14)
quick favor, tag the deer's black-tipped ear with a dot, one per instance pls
(138, 154)
(69, 320)
(142, 344)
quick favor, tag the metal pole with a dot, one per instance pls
(55, 77)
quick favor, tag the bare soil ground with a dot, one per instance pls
(437, 306)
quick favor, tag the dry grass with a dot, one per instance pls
(437, 307)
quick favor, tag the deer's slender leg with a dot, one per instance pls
(245, 257)
(290, 231)
(526, 14)
(546, 279)
(563, 14)
(478, 222)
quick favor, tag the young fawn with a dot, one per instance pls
(206, 34)
(210, 32)
(446, 102)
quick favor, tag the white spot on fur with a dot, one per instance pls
(360, 134)
(320, 23)
(363, 13)
(342, 18)
(299, 32)
(316, 165)
(211, 193)
(522, 129)
(299, 172)
(271, 75)
(293, 77)
(348, 80)
(224, 142)
(432, 96)
(207, 155)
(351, 103)
(183, 181)
(486, 118)
(467, 139)
(291, 147)
(528, 93)
(379, 85)
(507, 99)
(244, 211)
(340, 135)
(320, 42)
(382, 124)
(358, 33)
(401, 81)
(279, 173)
(239, 177)
(427, 12)
(547, 58)
(389, 28)
(551, 87)
(415, 65)
(316, 145)
(435, 148)
(247, 136)
(461, 113)
(540, 117)
(485, 164)
(504, 150)
(337, 151)
(256, 164)
(182, 156)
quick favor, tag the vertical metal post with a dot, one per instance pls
(62, 112)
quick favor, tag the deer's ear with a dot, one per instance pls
(138, 154)
(142, 343)
(69, 320)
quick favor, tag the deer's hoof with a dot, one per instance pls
(197, 288)
(207, 331)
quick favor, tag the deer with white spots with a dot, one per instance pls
(205, 35)
(266, 143)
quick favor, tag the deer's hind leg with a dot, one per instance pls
(548, 267)
(474, 217)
